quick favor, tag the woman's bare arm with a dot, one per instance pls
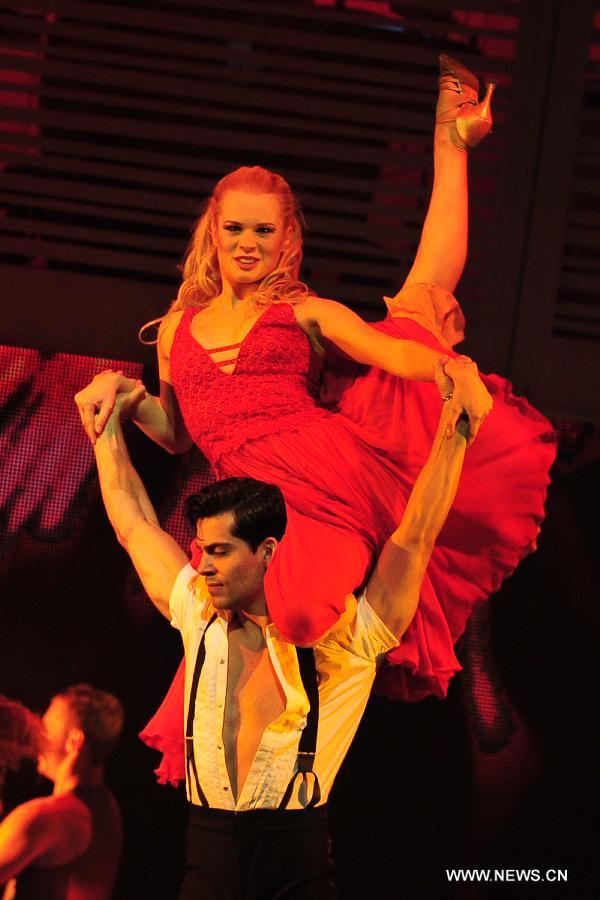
(158, 417)
(407, 359)
(161, 419)
(363, 343)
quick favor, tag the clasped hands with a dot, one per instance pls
(457, 380)
(459, 384)
(107, 390)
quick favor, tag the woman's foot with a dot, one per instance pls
(458, 106)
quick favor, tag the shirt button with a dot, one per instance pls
(225, 788)
(221, 661)
(219, 746)
(219, 705)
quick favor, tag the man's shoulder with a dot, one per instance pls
(66, 823)
(189, 603)
(48, 815)
(343, 629)
(63, 810)
(358, 632)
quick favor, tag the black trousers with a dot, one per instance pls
(258, 855)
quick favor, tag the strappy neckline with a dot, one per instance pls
(241, 344)
(222, 349)
(221, 363)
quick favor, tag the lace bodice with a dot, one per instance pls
(272, 389)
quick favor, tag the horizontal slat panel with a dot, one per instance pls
(577, 306)
(571, 328)
(364, 150)
(97, 257)
(128, 114)
(587, 282)
(272, 25)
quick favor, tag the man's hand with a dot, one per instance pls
(443, 382)
(97, 401)
(468, 394)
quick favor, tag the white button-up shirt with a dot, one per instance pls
(346, 661)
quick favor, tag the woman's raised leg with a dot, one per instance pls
(461, 122)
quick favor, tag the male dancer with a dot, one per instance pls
(267, 724)
(69, 844)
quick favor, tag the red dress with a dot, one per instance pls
(346, 476)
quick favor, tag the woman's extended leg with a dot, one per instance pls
(461, 122)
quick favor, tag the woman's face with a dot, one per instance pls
(250, 235)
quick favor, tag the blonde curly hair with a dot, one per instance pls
(201, 275)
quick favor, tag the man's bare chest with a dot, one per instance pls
(254, 696)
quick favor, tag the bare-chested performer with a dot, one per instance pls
(68, 845)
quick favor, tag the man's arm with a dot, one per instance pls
(157, 557)
(394, 587)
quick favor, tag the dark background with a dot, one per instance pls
(116, 119)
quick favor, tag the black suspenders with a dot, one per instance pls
(190, 759)
(308, 739)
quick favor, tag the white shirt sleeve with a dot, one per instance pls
(372, 637)
(365, 636)
(183, 598)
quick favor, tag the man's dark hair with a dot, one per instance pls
(258, 508)
(98, 714)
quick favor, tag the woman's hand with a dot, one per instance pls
(443, 382)
(97, 401)
(468, 395)
(126, 402)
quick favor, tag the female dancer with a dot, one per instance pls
(239, 366)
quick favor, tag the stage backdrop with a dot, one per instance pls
(117, 118)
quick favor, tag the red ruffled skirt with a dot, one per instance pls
(346, 480)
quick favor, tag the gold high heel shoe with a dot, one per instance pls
(470, 121)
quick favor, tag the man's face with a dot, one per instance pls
(56, 722)
(233, 573)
